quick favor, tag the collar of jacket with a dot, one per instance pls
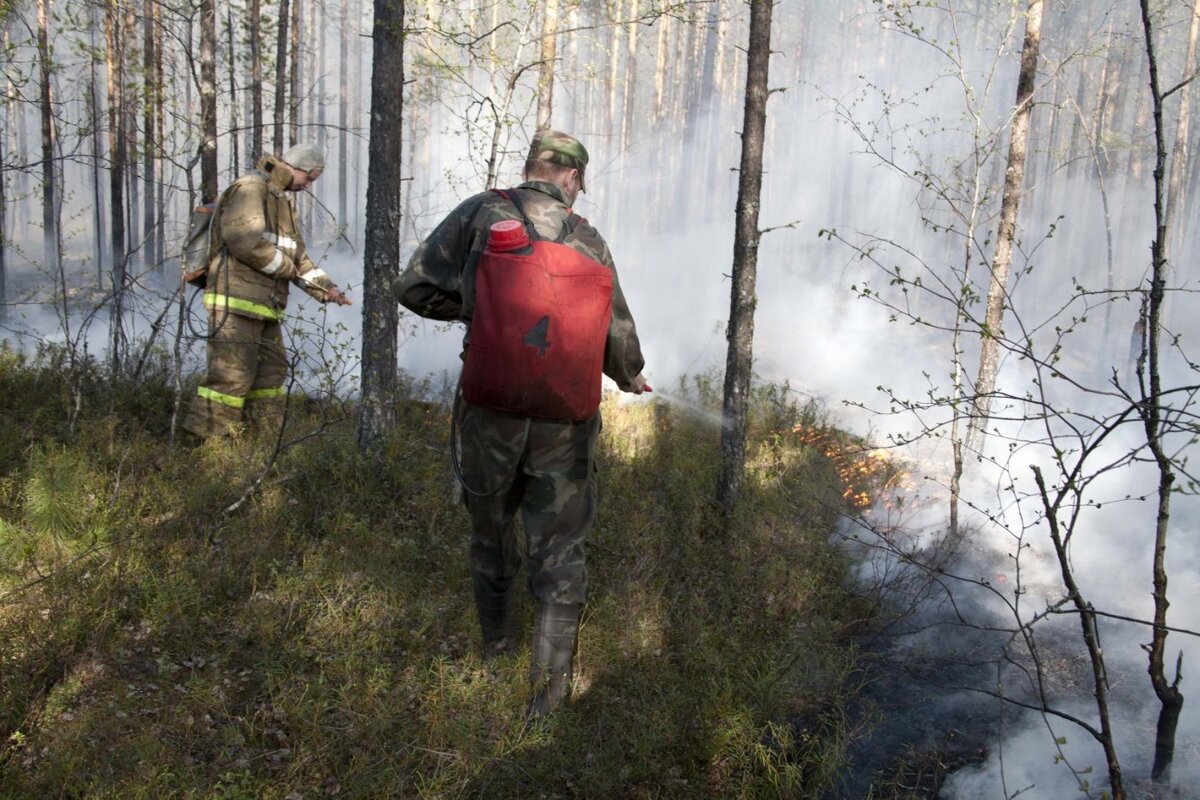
(545, 187)
(279, 174)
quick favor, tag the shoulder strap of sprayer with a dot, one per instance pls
(514, 197)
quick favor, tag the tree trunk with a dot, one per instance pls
(235, 161)
(381, 256)
(160, 137)
(1151, 410)
(549, 54)
(738, 363)
(1110, 83)
(1010, 203)
(611, 120)
(133, 159)
(281, 52)
(4, 203)
(98, 222)
(115, 56)
(661, 59)
(254, 12)
(208, 101)
(1173, 247)
(152, 83)
(294, 77)
(344, 118)
(49, 135)
(630, 80)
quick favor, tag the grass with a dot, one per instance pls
(320, 640)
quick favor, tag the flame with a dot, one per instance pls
(868, 475)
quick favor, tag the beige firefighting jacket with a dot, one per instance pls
(261, 249)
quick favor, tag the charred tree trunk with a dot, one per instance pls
(281, 53)
(1151, 410)
(1010, 203)
(381, 319)
(549, 54)
(208, 101)
(738, 363)
(50, 234)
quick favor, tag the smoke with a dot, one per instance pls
(870, 145)
(871, 133)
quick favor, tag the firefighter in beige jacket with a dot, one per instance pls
(261, 253)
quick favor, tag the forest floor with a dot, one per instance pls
(244, 620)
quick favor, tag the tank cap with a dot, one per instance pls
(508, 234)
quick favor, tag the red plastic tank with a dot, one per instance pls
(538, 331)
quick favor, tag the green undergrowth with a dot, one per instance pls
(170, 633)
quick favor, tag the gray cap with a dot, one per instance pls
(305, 156)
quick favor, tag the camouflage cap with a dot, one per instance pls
(559, 148)
(305, 156)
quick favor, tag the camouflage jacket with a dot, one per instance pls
(261, 247)
(439, 282)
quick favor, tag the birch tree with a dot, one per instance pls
(740, 333)
(1010, 204)
(208, 101)
(381, 315)
(549, 54)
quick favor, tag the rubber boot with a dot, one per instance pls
(497, 621)
(555, 632)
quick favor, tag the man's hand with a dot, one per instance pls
(336, 295)
(639, 385)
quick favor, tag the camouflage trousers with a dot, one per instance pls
(546, 470)
(247, 367)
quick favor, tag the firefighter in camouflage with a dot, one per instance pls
(260, 253)
(541, 467)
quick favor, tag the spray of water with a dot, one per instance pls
(690, 408)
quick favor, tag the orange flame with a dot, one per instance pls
(866, 474)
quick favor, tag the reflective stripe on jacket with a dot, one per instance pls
(262, 249)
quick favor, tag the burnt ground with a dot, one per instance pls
(922, 723)
(920, 719)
